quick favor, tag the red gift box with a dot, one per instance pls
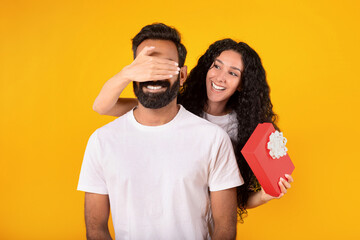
(266, 169)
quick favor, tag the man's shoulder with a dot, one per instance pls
(113, 127)
(189, 117)
(200, 124)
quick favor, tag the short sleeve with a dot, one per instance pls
(224, 171)
(92, 176)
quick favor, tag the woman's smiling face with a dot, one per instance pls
(224, 76)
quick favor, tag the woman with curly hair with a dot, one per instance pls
(227, 87)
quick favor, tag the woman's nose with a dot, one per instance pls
(220, 77)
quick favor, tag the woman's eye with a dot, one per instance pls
(216, 66)
(233, 74)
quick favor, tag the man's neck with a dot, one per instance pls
(156, 117)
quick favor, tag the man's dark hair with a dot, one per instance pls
(160, 31)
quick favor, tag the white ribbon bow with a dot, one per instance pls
(276, 145)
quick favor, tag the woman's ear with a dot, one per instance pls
(183, 74)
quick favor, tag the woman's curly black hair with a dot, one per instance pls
(251, 104)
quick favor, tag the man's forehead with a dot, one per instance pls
(163, 48)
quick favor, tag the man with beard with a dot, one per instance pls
(165, 173)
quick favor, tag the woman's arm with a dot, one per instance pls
(108, 101)
(259, 198)
(144, 68)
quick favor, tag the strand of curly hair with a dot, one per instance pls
(251, 104)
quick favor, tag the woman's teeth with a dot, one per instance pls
(217, 87)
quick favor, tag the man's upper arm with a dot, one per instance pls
(92, 182)
(224, 210)
(224, 171)
(92, 176)
(97, 210)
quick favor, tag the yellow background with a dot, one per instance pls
(56, 55)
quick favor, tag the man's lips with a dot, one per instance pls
(153, 87)
(154, 84)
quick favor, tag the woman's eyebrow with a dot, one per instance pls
(219, 61)
(235, 68)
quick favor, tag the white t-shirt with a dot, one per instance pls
(158, 177)
(227, 122)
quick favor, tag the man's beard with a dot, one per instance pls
(156, 100)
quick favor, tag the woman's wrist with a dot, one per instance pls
(263, 198)
(120, 81)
